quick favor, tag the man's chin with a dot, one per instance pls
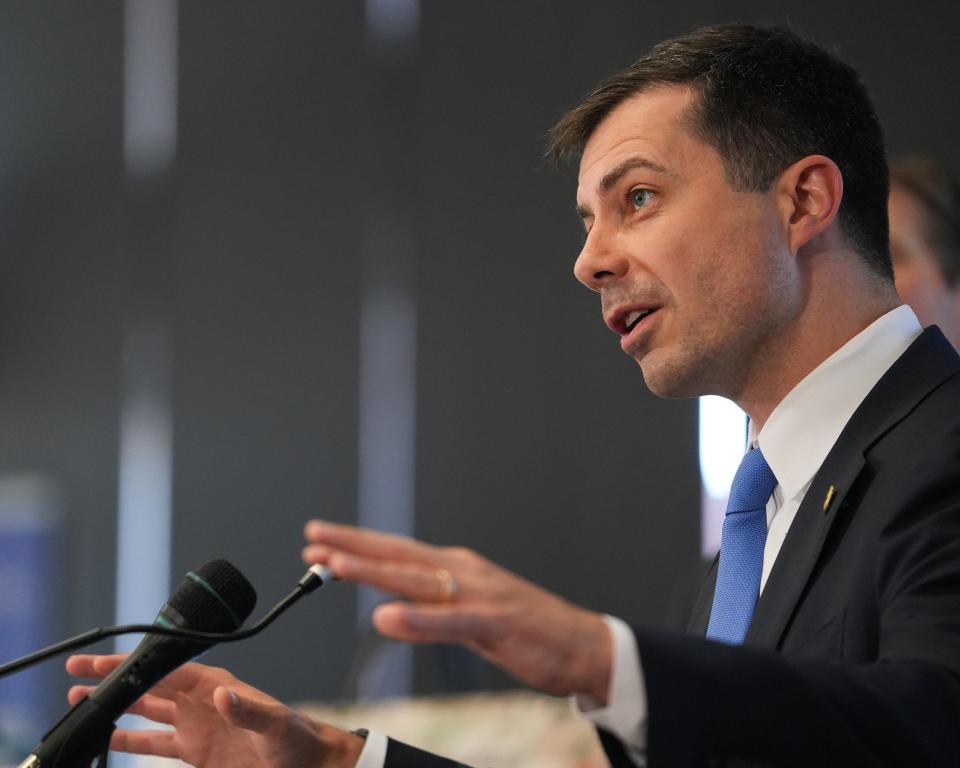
(669, 378)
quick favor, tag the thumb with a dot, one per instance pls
(247, 713)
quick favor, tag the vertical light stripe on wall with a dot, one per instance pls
(388, 358)
(145, 466)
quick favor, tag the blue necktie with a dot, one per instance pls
(741, 550)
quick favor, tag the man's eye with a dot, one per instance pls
(639, 197)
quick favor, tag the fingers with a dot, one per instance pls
(326, 537)
(316, 553)
(415, 582)
(177, 682)
(385, 561)
(93, 666)
(159, 743)
(77, 692)
(184, 679)
(154, 708)
(433, 623)
(148, 706)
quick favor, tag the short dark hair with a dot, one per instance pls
(936, 189)
(767, 98)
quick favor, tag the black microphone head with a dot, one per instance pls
(214, 598)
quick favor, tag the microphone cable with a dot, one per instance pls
(315, 577)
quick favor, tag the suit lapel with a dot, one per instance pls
(926, 364)
(820, 508)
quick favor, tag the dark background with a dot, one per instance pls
(536, 441)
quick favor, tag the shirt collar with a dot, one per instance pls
(802, 429)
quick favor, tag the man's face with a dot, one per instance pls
(696, 277)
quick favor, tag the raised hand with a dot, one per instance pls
(220, 722)
(455, 595)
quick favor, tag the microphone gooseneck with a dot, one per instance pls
(313, 579)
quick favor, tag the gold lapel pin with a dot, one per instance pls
(826, 502)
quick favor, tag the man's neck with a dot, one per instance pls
(836, 310)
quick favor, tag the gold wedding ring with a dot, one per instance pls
(448, 585)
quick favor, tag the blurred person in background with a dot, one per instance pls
(925, 241)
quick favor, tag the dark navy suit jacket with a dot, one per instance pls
(853, 654)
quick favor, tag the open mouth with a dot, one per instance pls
(631, 320)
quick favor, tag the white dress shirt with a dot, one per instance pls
(374, 753)
(795, 441)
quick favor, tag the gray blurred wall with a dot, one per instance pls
(310, 165)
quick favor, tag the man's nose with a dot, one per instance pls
(600, 262)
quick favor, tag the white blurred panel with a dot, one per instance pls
(723, 436)
(149, 85)
(392, 21)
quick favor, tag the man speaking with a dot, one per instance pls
(733, 190)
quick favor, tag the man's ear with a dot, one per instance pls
(809, 194)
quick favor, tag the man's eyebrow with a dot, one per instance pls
(615, 174)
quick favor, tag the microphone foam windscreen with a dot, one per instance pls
(214, 598)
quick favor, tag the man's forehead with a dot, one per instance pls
(648, 125)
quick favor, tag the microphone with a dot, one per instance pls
(217, 598)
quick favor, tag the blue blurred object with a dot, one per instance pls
(29, 605)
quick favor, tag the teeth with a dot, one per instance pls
(636, 316)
